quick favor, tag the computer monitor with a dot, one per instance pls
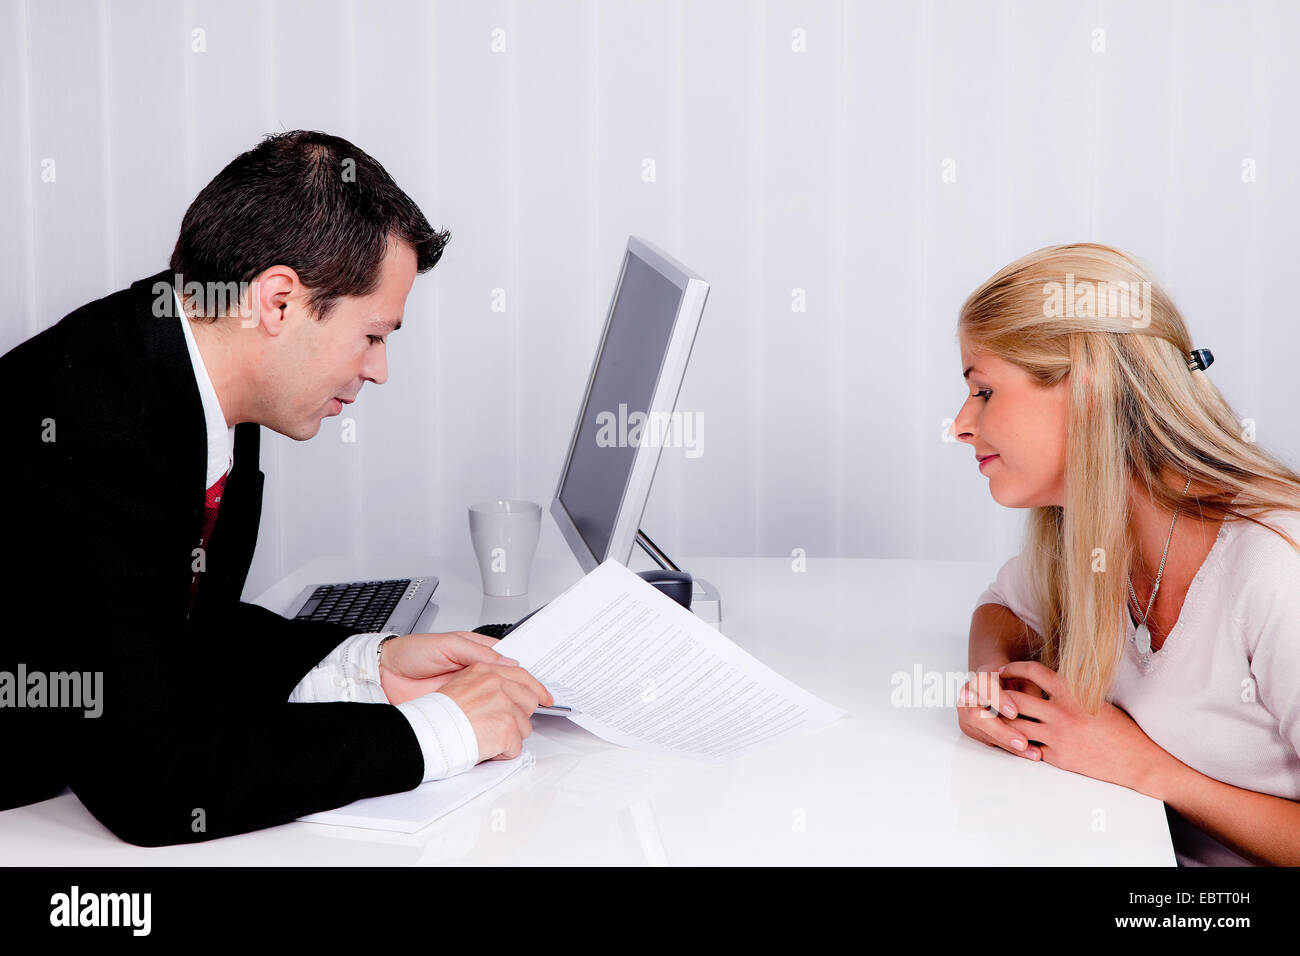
(634, 381)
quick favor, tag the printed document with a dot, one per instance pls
(642, 671)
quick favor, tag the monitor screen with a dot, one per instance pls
(623, 383)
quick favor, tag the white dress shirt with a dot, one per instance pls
(351, 671)
(1222, 694)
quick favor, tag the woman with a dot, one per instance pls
(1160, 577)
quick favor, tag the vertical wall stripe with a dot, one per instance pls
(1005, 173)
(35, 319)
(592, 42)
(839, 277)
(760, 305)
(591, 149)
(272, 99)
(434, 489)
(192, 186)
(1007, 154)
(1096, 125)
(106, 144)
(1254, 300)
(1174, 139)
(678, 120)
(929, 173)
(357, 459)
(515, 316)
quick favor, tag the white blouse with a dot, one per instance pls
(1223, 692)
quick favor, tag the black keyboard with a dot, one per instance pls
(364, 605)
(501, 630)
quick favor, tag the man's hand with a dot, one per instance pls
(499, 701)
(417, 664)
(494, 692)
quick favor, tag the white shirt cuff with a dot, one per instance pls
(349, 673)
(446, 737)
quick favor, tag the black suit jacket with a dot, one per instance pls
(105, 473)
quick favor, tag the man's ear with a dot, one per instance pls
(272, 293)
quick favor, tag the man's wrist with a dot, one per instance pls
(379, 653)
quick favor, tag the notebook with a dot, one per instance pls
(415, 809)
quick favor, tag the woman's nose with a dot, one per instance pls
(963, 424)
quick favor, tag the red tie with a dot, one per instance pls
(211, 507)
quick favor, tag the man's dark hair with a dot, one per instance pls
(308, 200)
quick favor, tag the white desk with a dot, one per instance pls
(887, 785)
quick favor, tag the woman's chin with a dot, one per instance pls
(1010, 498)
(1005, 496)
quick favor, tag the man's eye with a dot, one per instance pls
(375, 338)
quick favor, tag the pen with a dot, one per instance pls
(558, 710)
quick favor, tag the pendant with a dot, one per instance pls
(1143, 639)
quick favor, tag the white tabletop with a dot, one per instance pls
(887, 785)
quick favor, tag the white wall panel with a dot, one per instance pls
(795, 146)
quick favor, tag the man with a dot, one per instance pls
(134, 526)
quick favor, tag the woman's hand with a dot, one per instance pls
(1107, 746)
(996, 727)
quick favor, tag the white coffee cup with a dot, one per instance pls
(504, 534)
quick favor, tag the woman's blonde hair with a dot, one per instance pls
(1097, 314)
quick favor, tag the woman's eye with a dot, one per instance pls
(983, 393)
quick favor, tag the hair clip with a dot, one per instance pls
(1199, 358)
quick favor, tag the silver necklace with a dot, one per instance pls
(1143, 636)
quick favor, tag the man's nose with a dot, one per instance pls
(376, 369)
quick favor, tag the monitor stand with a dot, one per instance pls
(706, 603)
